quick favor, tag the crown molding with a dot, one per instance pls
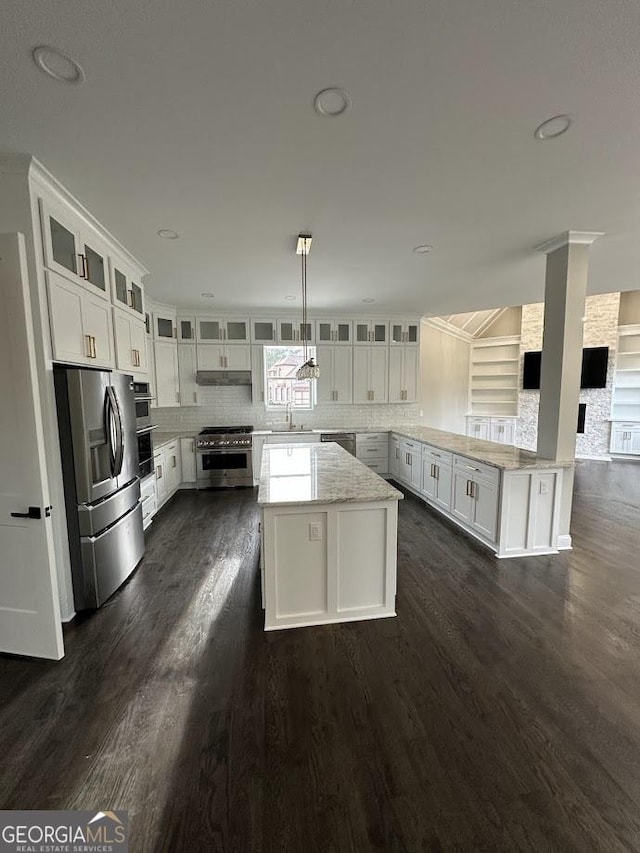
(567, 238)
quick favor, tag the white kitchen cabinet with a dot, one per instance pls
(403, 374)
(479, 428)
(187, 375)
(625, 438)
(186, 328)
(370, 374)
(151, 362)
(404, 332)
(374, 332)
(475, 498)
(264, 332)
(188, 460)
(257, 373)
(160, 462)
(411, 464)
(394, 457)
(174, 466)
(332, 331)
(126, 291)
(131, 344)
(335, 384)
(72, 249)
(223, 357)
(167, 376)
(81, 324)
(437, 474)
(257, 443)
(232, 330)
(294, 332)
(164, 324)
(499, 429)
(503, 430)
(372, 448)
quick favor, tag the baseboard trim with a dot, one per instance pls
(594, 458)
(564, 542)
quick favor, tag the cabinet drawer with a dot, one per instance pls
(373, 448)
(380, 466)
(442, 457)
(476, 469)
(410, 444)
(148, 486)
(503, 420)
(365, 438)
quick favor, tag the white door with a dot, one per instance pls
(167, 393)
(29, 605)
(257, 374)
(461, 505)
(343, 374)
(485, 509)
(361, 385)
(122, 329)
(65, 317)
(187, 375)
(210, 356)
(97, 324)
(429, 482)
(443, 489)
(379, 374)
(238, 357)
(139, 346)
(325, 357)
(396, 387)
(411, 357)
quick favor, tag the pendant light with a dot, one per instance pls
(309, 369)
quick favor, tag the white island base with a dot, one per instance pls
(331, 560)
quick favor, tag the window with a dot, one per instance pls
(282, 388)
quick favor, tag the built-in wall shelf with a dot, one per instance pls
(626, 385)
(494, 376)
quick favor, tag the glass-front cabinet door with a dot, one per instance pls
(93, 257)
(263, 331)
(61, 238)
(371, 332)
(164, 325)
(403, 332)
(292, 332)
(333, 331)
(125, 291)
(210, 330)
(186, 330)
(236, 331)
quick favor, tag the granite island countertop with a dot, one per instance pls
(299, 474)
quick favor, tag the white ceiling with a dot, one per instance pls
(197, 116)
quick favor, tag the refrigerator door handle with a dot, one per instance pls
(114, 430)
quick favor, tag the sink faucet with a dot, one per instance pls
(289, 415)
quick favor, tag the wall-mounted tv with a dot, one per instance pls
(594, 368)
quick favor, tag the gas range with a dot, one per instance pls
(224, 437)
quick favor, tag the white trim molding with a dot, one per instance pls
(442, 326)
(581, 238)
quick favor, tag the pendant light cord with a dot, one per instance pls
(304, 298)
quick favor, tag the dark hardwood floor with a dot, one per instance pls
(499, 712)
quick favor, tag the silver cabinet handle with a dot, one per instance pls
(159, 472)
(89, 352)
(173, 462)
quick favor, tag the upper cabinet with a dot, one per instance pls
(404, 332)
(294, 332)
(222, 329)
(334, 331)
(371, 332)
(264, 332)
(73, 249)
(186, 330)
(126, 291)
(164, 323)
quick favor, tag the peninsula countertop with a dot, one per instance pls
(504, 456)
(298, 474)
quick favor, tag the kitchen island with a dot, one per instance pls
(328, 537)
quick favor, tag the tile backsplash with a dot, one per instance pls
(230, 406)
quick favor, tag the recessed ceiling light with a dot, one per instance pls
(57, 64)
(168, 234)
(290, 298)
(332, 102)
(208, 295)
(422, 250)
(553, 127)
(368, 299)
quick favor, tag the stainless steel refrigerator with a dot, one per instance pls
(97, 423)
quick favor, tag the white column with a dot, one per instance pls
(564, 307)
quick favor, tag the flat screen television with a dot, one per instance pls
(594, 368)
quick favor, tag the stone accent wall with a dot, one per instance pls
(600, 329)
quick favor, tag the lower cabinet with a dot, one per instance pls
(411, 463)
(436, 478)
(188, 460)
(474, 501)
(490, 428)
(372, 448)
(168, 464)
(625, 438)
(394, 457)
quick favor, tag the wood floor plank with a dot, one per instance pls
(497, 712)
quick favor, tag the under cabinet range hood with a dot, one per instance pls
(223, 377)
